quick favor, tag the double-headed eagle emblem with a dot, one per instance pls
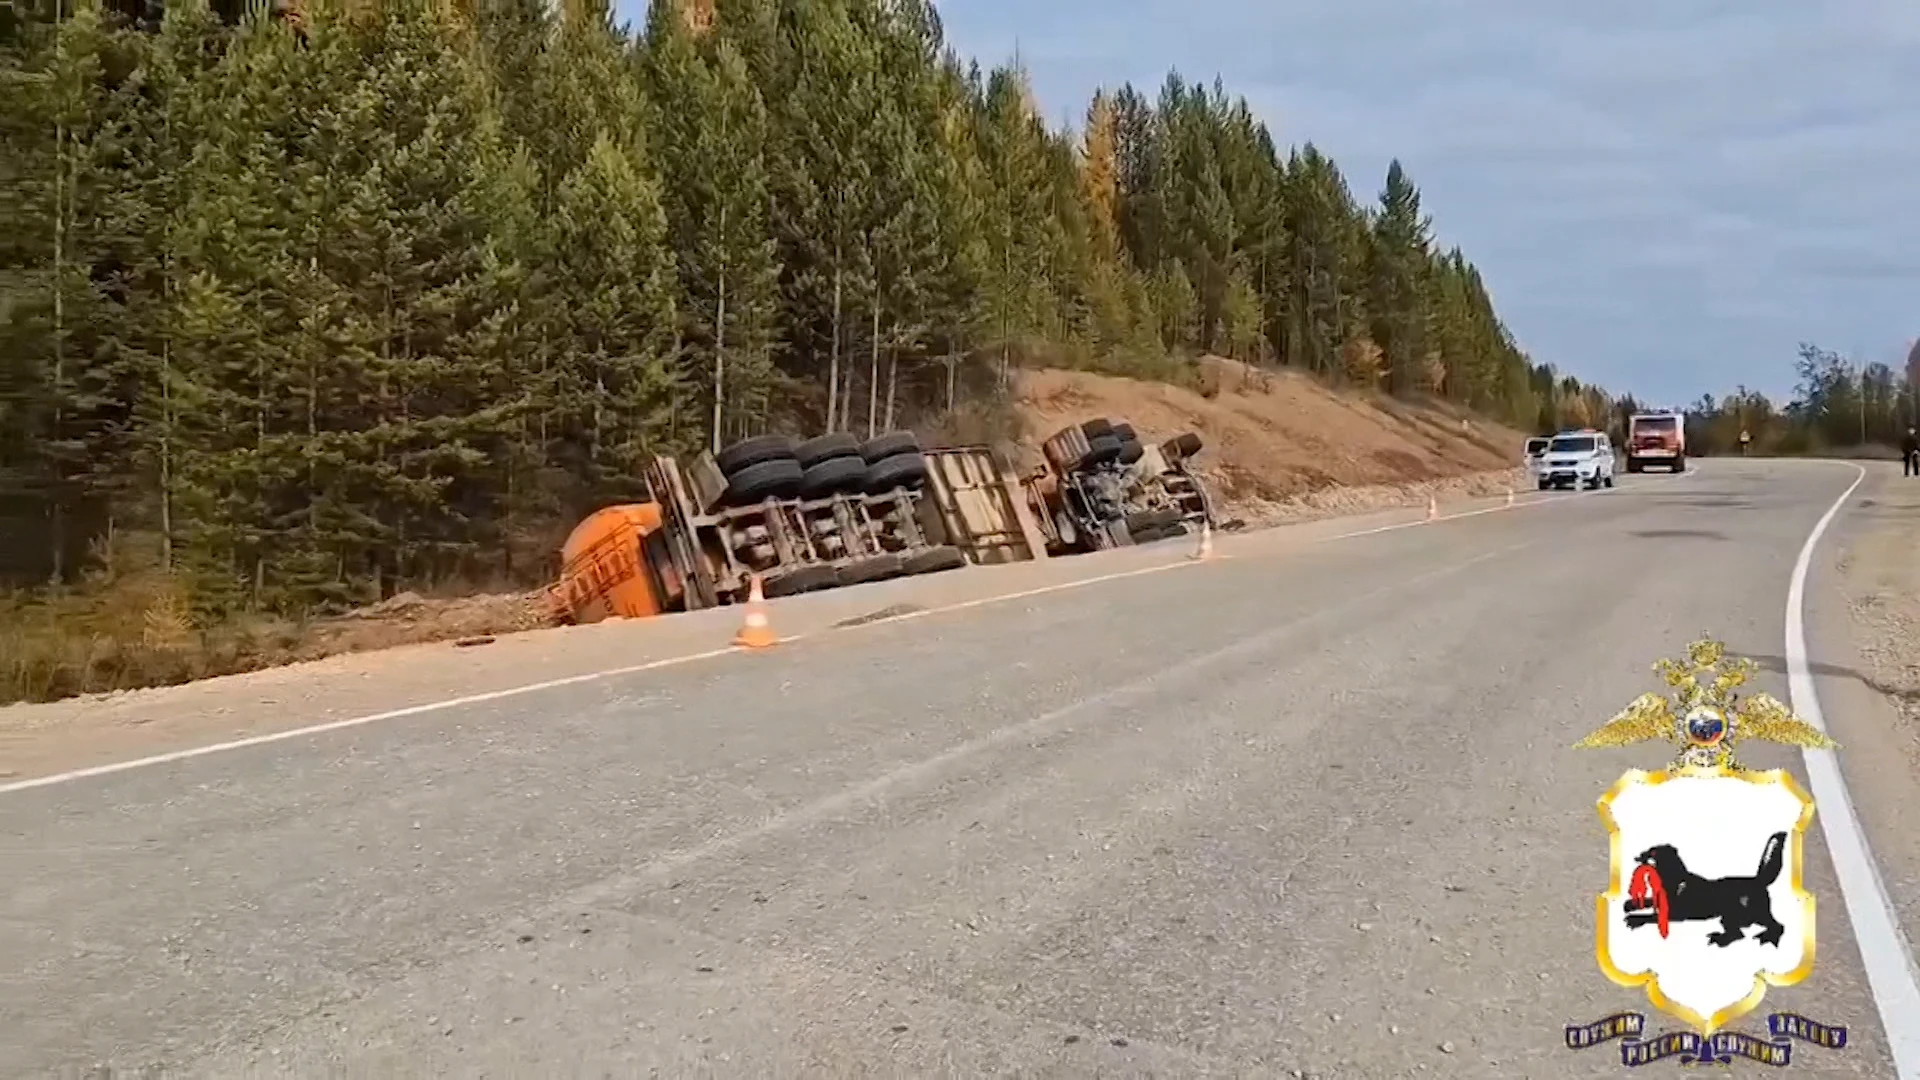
(1704, 715)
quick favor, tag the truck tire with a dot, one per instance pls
(1160, 532)
(833, 475)
(803, 579)
(934, 560)
(1102, 450)
(892, 444)
(877, 568)
(750, 452)
(1148, 520)
(1679, 465)
(1181, 446)
(1131, 451)
(898, 471)
(1125, 433)
(1634, 465)
(826, 448)
(778, 478)
(1097, 428)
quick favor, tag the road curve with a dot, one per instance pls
(1305, 810)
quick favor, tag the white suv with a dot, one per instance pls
(1577, 457)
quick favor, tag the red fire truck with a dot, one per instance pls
(1657, 439)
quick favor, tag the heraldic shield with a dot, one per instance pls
(1707, 906)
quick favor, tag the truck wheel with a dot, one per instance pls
(1679, 465)
(779, 478)
(877, 568)
(1147, 520)
(1181, 446)
(1606, 481)
(899, 471)
(1545, 484)
(1131, 451)
(934, 560)
(835, 474)
(750, 452)
(1102, 450)
(1097, 428)
(804, 579)
(1633, 465)
(826, 448)
(892, 444)
(1125, 433)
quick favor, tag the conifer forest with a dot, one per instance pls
(301, 306)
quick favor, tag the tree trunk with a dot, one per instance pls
(59, 522)
(893, 380)
(720, 352)
(166, 456)
(833, 361)
(873, 372)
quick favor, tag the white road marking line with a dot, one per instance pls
(350, 722)
(617, 888)
(189, 753)
(1876, 929)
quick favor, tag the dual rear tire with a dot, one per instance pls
(775, 467)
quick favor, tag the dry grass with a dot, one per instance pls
(124, 629)
(1279, 446)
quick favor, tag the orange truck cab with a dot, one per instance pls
(1657, 439)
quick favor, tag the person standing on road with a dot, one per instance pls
(1910, 454)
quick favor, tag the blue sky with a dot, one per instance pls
(1665, 198)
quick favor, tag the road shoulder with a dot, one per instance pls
(1864, 647)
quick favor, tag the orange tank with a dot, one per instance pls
(601, 574)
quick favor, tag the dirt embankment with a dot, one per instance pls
(1281, 446)
(1278, 447)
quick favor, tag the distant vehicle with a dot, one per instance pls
(1577, 457)
(1534, 454)
(1656, 439)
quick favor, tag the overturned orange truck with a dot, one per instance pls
(835, 510)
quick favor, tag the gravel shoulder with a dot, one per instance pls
(1864, 629)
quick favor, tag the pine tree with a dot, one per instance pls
(618, 319)
(716, 192)
(393, 295)
(1397, 282)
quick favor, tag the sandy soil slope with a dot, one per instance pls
(1279, 444)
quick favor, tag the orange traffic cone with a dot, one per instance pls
(755, 633)
(1433, 508)
(1205, 551)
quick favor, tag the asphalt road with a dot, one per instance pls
(1309, 808)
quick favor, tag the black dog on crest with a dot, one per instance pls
(1738, 902)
